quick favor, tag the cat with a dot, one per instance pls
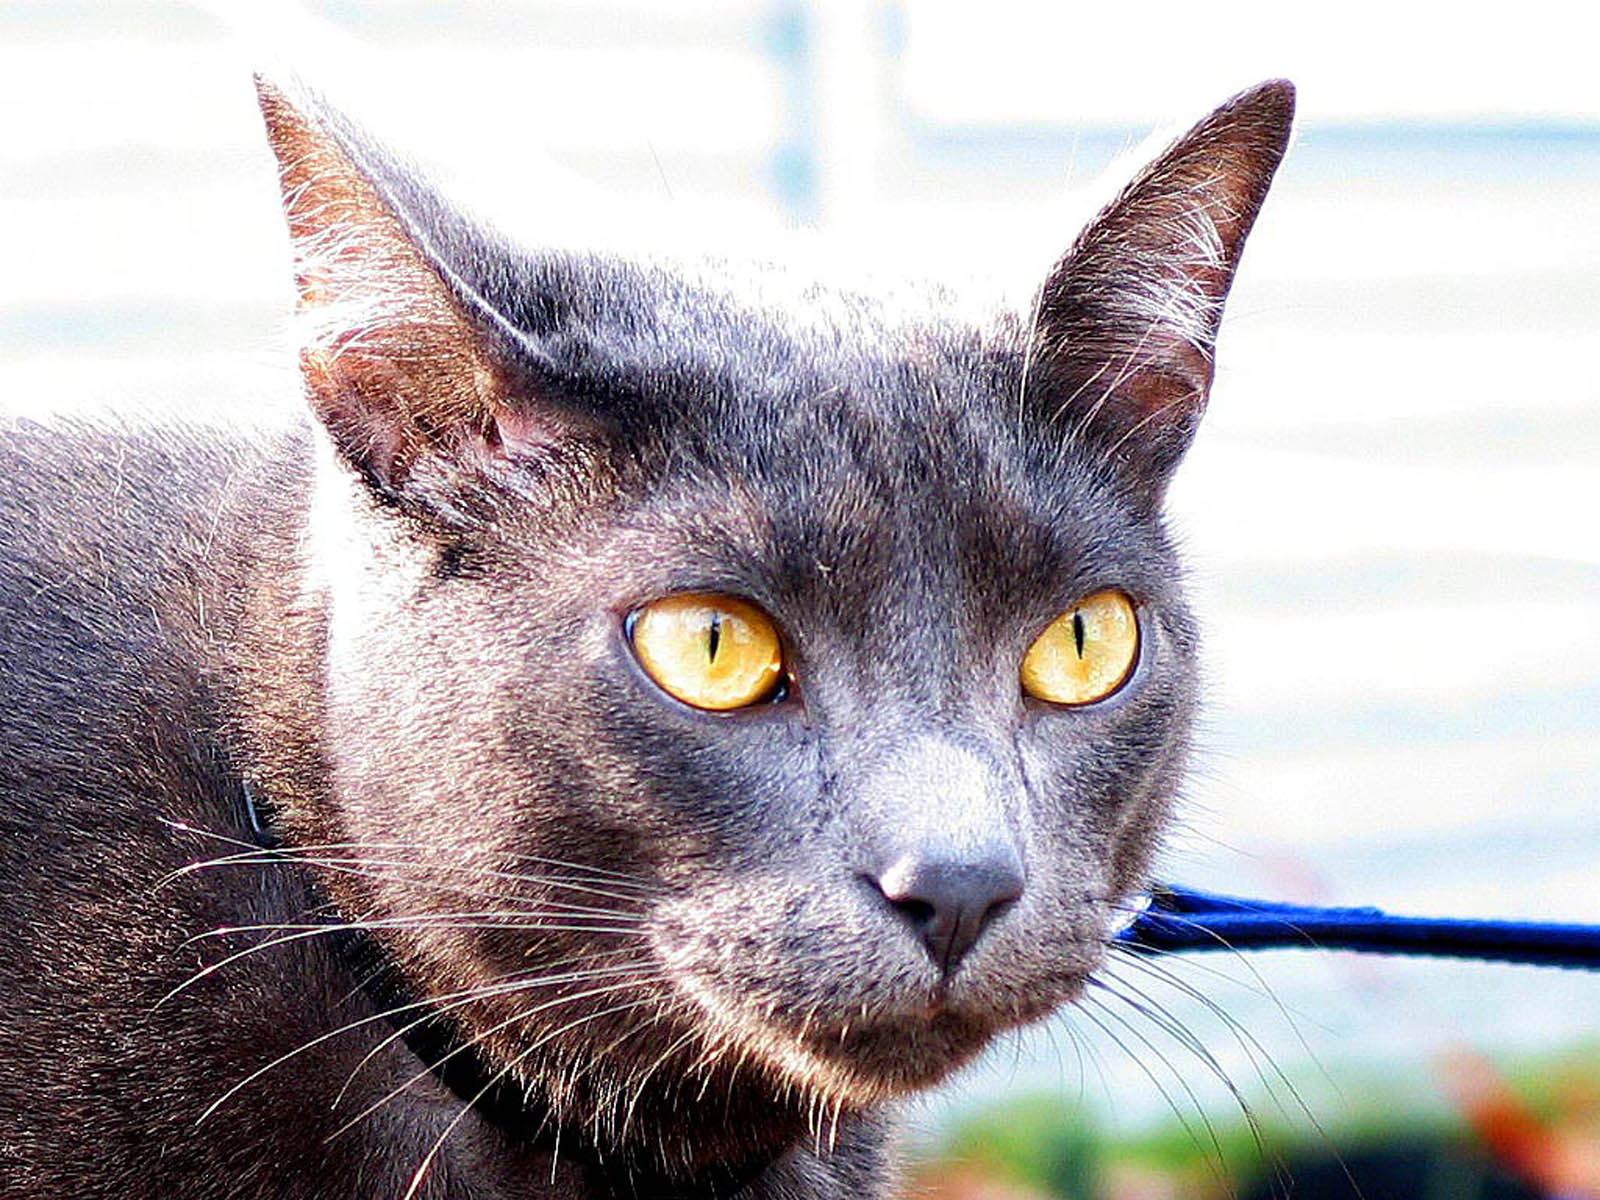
(642, 722)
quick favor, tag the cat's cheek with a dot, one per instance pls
(1165, 729)
(1102, 781)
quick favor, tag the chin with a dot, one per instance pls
(864, 1062)
(892, 1058)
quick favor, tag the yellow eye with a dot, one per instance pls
(709, 651)
(1086, 653)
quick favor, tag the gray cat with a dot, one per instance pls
(641, 726)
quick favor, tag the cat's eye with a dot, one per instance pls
(1086, 653)
(713, 652)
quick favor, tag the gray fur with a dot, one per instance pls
(402, 631)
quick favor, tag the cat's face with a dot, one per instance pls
(848, 885)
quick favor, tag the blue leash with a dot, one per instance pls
(1179, 919)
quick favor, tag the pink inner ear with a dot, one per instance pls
(340, 394)
(518, 434)
(1150, 394)
(1163, 403)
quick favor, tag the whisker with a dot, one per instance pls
(370, 868)
(433, 1151)
(1130, 366)
(1149, 956)
(1028, 353)
(366, 866)
(1246, 1041)
(625, 969)
(1164, 1020)
(524, 1015)
(478, 991)
(250, 849)
(1244, 960)
(1217, 1166)
(464, 919)
(310, 931)
(1153, 415)
(597, 1057)
(638, 1085)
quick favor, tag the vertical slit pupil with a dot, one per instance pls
(713, 636)
(1078, 632)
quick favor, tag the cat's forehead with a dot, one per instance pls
(760, 325)
(863, 510)
(836, 422)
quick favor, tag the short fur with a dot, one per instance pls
(352, 703)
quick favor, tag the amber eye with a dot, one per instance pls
(709, 651)
(1086, 653)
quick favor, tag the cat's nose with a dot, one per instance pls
(949, 899)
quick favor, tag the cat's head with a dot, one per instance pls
(731, 674)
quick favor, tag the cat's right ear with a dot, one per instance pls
(412, 377)
(1126, 324)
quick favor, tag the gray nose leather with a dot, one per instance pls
(948, 898)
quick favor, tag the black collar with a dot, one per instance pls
(436, 1042)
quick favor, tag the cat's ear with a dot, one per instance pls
(1127, 320)
(408, 373)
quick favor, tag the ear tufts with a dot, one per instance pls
(1128, 319)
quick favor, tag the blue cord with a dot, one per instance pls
(1179, 919)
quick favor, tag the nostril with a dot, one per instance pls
(918, 912)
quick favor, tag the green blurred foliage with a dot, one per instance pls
(1042, 1142)
(1391, 1135)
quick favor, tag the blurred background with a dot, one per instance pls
(1391, 510)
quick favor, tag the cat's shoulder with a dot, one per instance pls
(125, 537)
(104, 479)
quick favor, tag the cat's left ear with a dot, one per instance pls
(1127, 320)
